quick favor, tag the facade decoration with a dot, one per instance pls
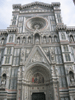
(37, 55)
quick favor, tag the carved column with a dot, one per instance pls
(54, 85)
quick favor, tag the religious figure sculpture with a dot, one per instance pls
(3, 82)
(52, 54)
(71, 74)
(71, 38)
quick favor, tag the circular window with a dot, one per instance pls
(36, 23)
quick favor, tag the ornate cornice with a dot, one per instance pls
(12, 29)
(16, 6)
(3, 32)
(19, 6)
(70, 28)
(60, 27)
(8, 30)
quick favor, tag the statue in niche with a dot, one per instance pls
(27, 51)
(29, 40)
(19, 72)
(24, 40)
(3, 82)
(44, 39)
(55, 38)
(52, 54)
(71, 74)
(2, 41)
(22, 52)
(50, 39)
(37, 38)
(18, 40)
(71, 38)
(37, 78)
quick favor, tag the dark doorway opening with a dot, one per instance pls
(38, 96)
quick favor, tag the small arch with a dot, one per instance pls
(44, 39)
(29, 39)
(50, 39)
(24, 40)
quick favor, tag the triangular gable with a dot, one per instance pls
(36, 7)
(36, 3)
(37, 55)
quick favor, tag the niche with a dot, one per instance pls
(37, 38)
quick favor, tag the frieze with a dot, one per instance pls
(30, 11)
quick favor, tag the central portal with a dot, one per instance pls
(38, 96)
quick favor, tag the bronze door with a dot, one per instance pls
(38, 96)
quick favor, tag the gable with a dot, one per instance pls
(37, 55)
(36, 8)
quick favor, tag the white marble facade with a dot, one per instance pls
(37, 55)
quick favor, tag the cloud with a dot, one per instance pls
(67, 11)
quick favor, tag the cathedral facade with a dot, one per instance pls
(37, 55)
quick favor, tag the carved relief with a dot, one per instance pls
(52, 53)
(22, 56)
(28, 51)
(37, 57)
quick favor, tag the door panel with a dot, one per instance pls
(38, 96)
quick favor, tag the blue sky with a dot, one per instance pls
(67, 11)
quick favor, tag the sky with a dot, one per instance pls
(67, 11)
